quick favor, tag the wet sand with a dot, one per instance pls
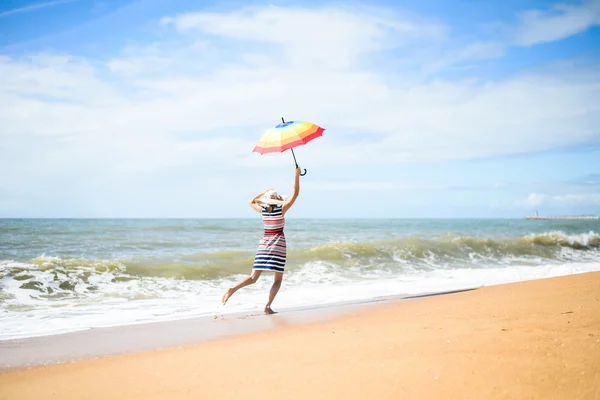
(98, 342)
(529, 340)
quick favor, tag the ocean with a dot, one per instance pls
(63, 275)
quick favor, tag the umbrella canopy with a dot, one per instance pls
(287, 135)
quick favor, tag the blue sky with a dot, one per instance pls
(151, 108)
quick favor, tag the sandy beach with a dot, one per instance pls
(530, 340)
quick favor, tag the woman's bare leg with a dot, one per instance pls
(278, 277)
(249, 280)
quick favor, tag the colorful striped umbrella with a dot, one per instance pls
(288, 135)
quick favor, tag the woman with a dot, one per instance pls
(271, 252)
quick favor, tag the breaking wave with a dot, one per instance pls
(56, 276)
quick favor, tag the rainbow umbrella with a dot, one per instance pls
(288, 135)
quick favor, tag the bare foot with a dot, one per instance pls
(227, 295)
(268, 310)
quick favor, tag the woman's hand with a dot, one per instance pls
(258, 196)
(298, 172)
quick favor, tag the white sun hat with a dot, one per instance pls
(273, 198)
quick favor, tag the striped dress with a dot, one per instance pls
(271, 252)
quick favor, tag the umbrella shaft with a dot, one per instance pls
(295, 162)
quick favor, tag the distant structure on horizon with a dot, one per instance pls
(537, 217)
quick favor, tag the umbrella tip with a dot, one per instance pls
(282, 120)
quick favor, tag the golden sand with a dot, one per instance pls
(529, 340)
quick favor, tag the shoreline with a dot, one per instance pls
(529, 339)
(94, 343)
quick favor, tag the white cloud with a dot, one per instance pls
(561, 21)
(356, 185)
(325, 37)
(534, 200)
(34, 7)
(470, 52)
(537, 199)
(198, 101)
(575, 199)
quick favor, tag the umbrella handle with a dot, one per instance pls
(301, 173)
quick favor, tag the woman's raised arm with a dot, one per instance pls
(253, 202)
(289, 202)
